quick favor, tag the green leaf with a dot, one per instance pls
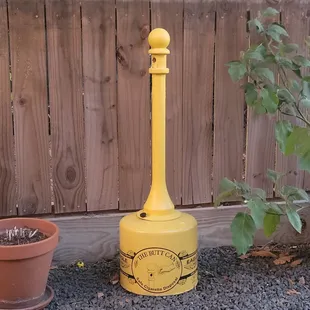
(292, 193)
(289, 109)
(227, 189)
(298, 73)
(259, 193)
(284, 95)
(237, 70)
(257, 25)
(286, 63)
(270, 12)
(305, 90)
(273, 175)
(304, 162)
(303, 194)
(224, 196)
(265, 73)
(274, 208)
(301, 61)
(269, 100)
(269, 59)
(256, 53)
(289, 48)
(305, 102)
(258, 211)
(250, 94)
(243, 229)
(306, 78)
(294, 219)
(298, 142)
(244, 187)
(275, 31)
(295, 86)
(226, 185)
(271, 222)
(258, 107)
(283, 129)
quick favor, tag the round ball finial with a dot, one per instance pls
(159, 38)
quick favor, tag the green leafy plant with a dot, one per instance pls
(274, 83)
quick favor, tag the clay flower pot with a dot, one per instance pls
(24, 269)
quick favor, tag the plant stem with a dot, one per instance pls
(288, 114)
(303, 118)
(284, 79)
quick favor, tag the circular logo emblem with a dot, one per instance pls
(156, 270)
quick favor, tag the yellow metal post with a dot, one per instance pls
(158, 244)
(159, 202)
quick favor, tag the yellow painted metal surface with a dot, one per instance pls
(158, 244)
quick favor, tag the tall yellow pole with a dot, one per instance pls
(158, 244)
(159, 201)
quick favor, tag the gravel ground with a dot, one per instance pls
(226, 282)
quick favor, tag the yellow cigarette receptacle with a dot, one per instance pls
(158, 244)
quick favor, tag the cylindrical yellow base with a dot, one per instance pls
(158, 258)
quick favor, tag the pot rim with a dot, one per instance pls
(36, 248)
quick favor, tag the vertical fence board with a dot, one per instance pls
(99, 69)
(296, 23)
(260, 144)
(170, 17)
(229, 98)
(133, 103)
(27, 43)
(199, 19)
(7, 164)
(65, 80)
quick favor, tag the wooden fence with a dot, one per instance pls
(75, 103)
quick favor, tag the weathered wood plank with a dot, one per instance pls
(99, 69)
(28, 55)
(296, 22)
(92, 238)
(199, 26)
(228, 97)
(133, 103)
(260, 143)
(65, 82)
(7, 158)
(170, 17)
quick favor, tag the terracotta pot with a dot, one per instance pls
(24, 269)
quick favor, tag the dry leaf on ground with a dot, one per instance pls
(283, 260)
(100, 294)
(263, 253)
(292, 292)
(114, 279)
(296, 262)
(53, 267)
(302, 281)
(291, 282)
(245, 256)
